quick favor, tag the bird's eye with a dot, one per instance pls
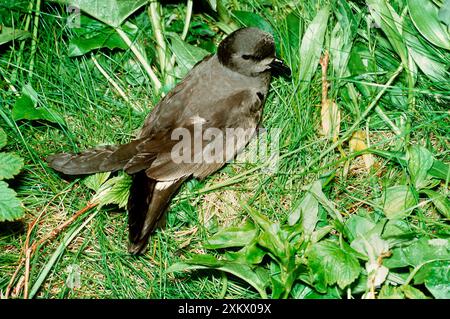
(246, 57)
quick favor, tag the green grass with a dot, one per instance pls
(94, 114)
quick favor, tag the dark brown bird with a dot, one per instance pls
(222, 92)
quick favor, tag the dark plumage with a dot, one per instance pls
(226, 90)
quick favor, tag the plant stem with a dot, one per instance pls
(140, 58)
(155, 19)
(34, 40)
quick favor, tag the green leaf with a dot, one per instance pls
(444, 13)
(441, 201)
(438, 170)
(94, 182)
(10, 206)
(420, 161)
(115, 191)
(312, 46)
(436, 277)
(232, 237)
(398, 201)
(250, 19)
(424, 15)
(307, 210)
(186, 54)
(424, 58)
(358, 226)
(111, 12)
(9, 34)
(10, 165)
(413, 293)
(333, 263)
(251, 254)
(257, 279)
(390, 292)
(95, 35)
(3, 138)
(391, 24)
(25, 108)
(294, 27)
(419, 253)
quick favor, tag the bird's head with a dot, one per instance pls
(251, 51)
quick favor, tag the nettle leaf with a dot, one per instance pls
(118, 190)
(436, 277)
(10, 165)
(10, 206)
(424, 15)
(94, 182)
(111, 12)
(420, 160)
(3, 138)
(398, 201)
(333, 263)
(25, 108)
(232, 237)
(419, 252)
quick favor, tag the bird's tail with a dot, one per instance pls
(147, 205)
(94, 160)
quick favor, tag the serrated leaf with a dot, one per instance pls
(10, 165)
(333, 264)
(398, 201)
(424, 15)
(111, 12)
(116, 191)
(312, 46)
(232, 237)
(94, 182)
(3, 138)
(10, 206)
(420, 160)
(441, 201)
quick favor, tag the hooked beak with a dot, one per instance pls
(279, 68)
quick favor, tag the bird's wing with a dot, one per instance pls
(180, 158)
